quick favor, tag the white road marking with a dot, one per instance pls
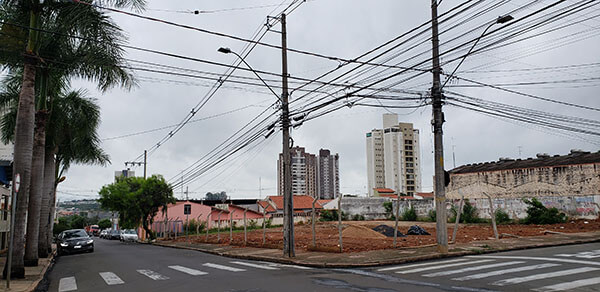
(255, 266)
(537, 259)
(470, 269)
(584, 254)
(153, 275)
(221, 267)
(543, 276)
(420, 265)
(286, 266)
(67, 284)
(443, 266)
(188, 270)
(111, 279)
(507, 271)
(570, 285)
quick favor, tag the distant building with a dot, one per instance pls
(393, 157)
(124, 173)
(328, 182)
(570, 183)
(315, 176)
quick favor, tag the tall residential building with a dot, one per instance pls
(393, 157)
(328, 175)
(311, 175)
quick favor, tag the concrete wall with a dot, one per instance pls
(585, 207)
(372, 208)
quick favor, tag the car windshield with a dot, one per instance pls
(74, 234)
(130, 231)
(114, 231)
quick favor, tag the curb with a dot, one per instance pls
(382, 263)
(34, 286)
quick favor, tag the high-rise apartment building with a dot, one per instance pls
(315, 176)
(328, 176)
(393, 157)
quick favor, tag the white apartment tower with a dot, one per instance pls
(393, 157)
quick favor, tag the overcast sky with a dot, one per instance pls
(343, 28)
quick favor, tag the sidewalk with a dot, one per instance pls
(389, 256)
(33, 275)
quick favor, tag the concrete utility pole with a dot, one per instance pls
(288, 202)
(145, 158)
(438, 121)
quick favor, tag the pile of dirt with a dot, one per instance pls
(360, 232)
(387, 231)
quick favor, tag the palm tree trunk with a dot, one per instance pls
(44, 242)
(22, 164)
(35, 195)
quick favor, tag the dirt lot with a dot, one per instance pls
(359, 236)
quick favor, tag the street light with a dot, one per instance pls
(500, 20)
(229, 51)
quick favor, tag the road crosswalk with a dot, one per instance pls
(110, 278)
(509, 271)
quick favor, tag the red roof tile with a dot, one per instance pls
(425, 195)
(265, 204)
(300, 202)
(384, 190)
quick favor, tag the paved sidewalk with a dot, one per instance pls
(33, 275)
(388, 256)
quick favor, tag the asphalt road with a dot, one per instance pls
(116, 266)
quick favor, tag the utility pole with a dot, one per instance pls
(438, 121)
(145, 157)
(288, 202)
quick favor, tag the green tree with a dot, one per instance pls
(104, 223)
(24, 42)
(137, 200)
(409, 214)
(537, 213)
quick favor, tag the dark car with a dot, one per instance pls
(114, 234)
(74, 240)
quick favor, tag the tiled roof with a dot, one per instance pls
(323, 202)
(265, 204)
(425, 195)
(395, 196)
(300, 202)
(576, 157)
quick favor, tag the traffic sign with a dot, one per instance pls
(187, 209)
(17, 182)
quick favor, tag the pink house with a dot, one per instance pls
(174, 218)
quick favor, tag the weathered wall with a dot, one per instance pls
(372, 208)
(575, 207)
(560, 181)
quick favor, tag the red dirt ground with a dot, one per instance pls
(360, 239)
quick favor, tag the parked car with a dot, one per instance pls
(103, 233)
(129, 235)
(74, 240)
(114, 234)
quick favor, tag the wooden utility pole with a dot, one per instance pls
(438, 121)
(288, 202)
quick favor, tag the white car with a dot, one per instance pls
(129, 235)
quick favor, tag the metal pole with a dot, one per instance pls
(340, 221)
(145, 157)
(288, 202)
(13, 208)
(314, 236)
(187, 228)
(438, 120)
(264, 226)
(231, 227)
(458, 212)
(207, 225)
(219, 227)
(396, 224)
(245, 232)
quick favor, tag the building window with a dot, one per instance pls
(410, 188)
(408, 147)
(409, 153)
(410, 171)
(410, 182)
(410, 176)
(409, 159)
(409, 142)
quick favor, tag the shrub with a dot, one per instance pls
(537, 213)
(268, 222)
(432, 215)
(332, 215)
(409, 214)
(468, 215)
(252, 224)
(389, 210)
(501, 217)
(358, 217)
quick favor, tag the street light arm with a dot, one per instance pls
(227, 51)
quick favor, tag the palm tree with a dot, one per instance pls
(72, 138)
(59, 16)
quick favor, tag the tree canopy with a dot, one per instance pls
(137, 200)
(222, 196)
